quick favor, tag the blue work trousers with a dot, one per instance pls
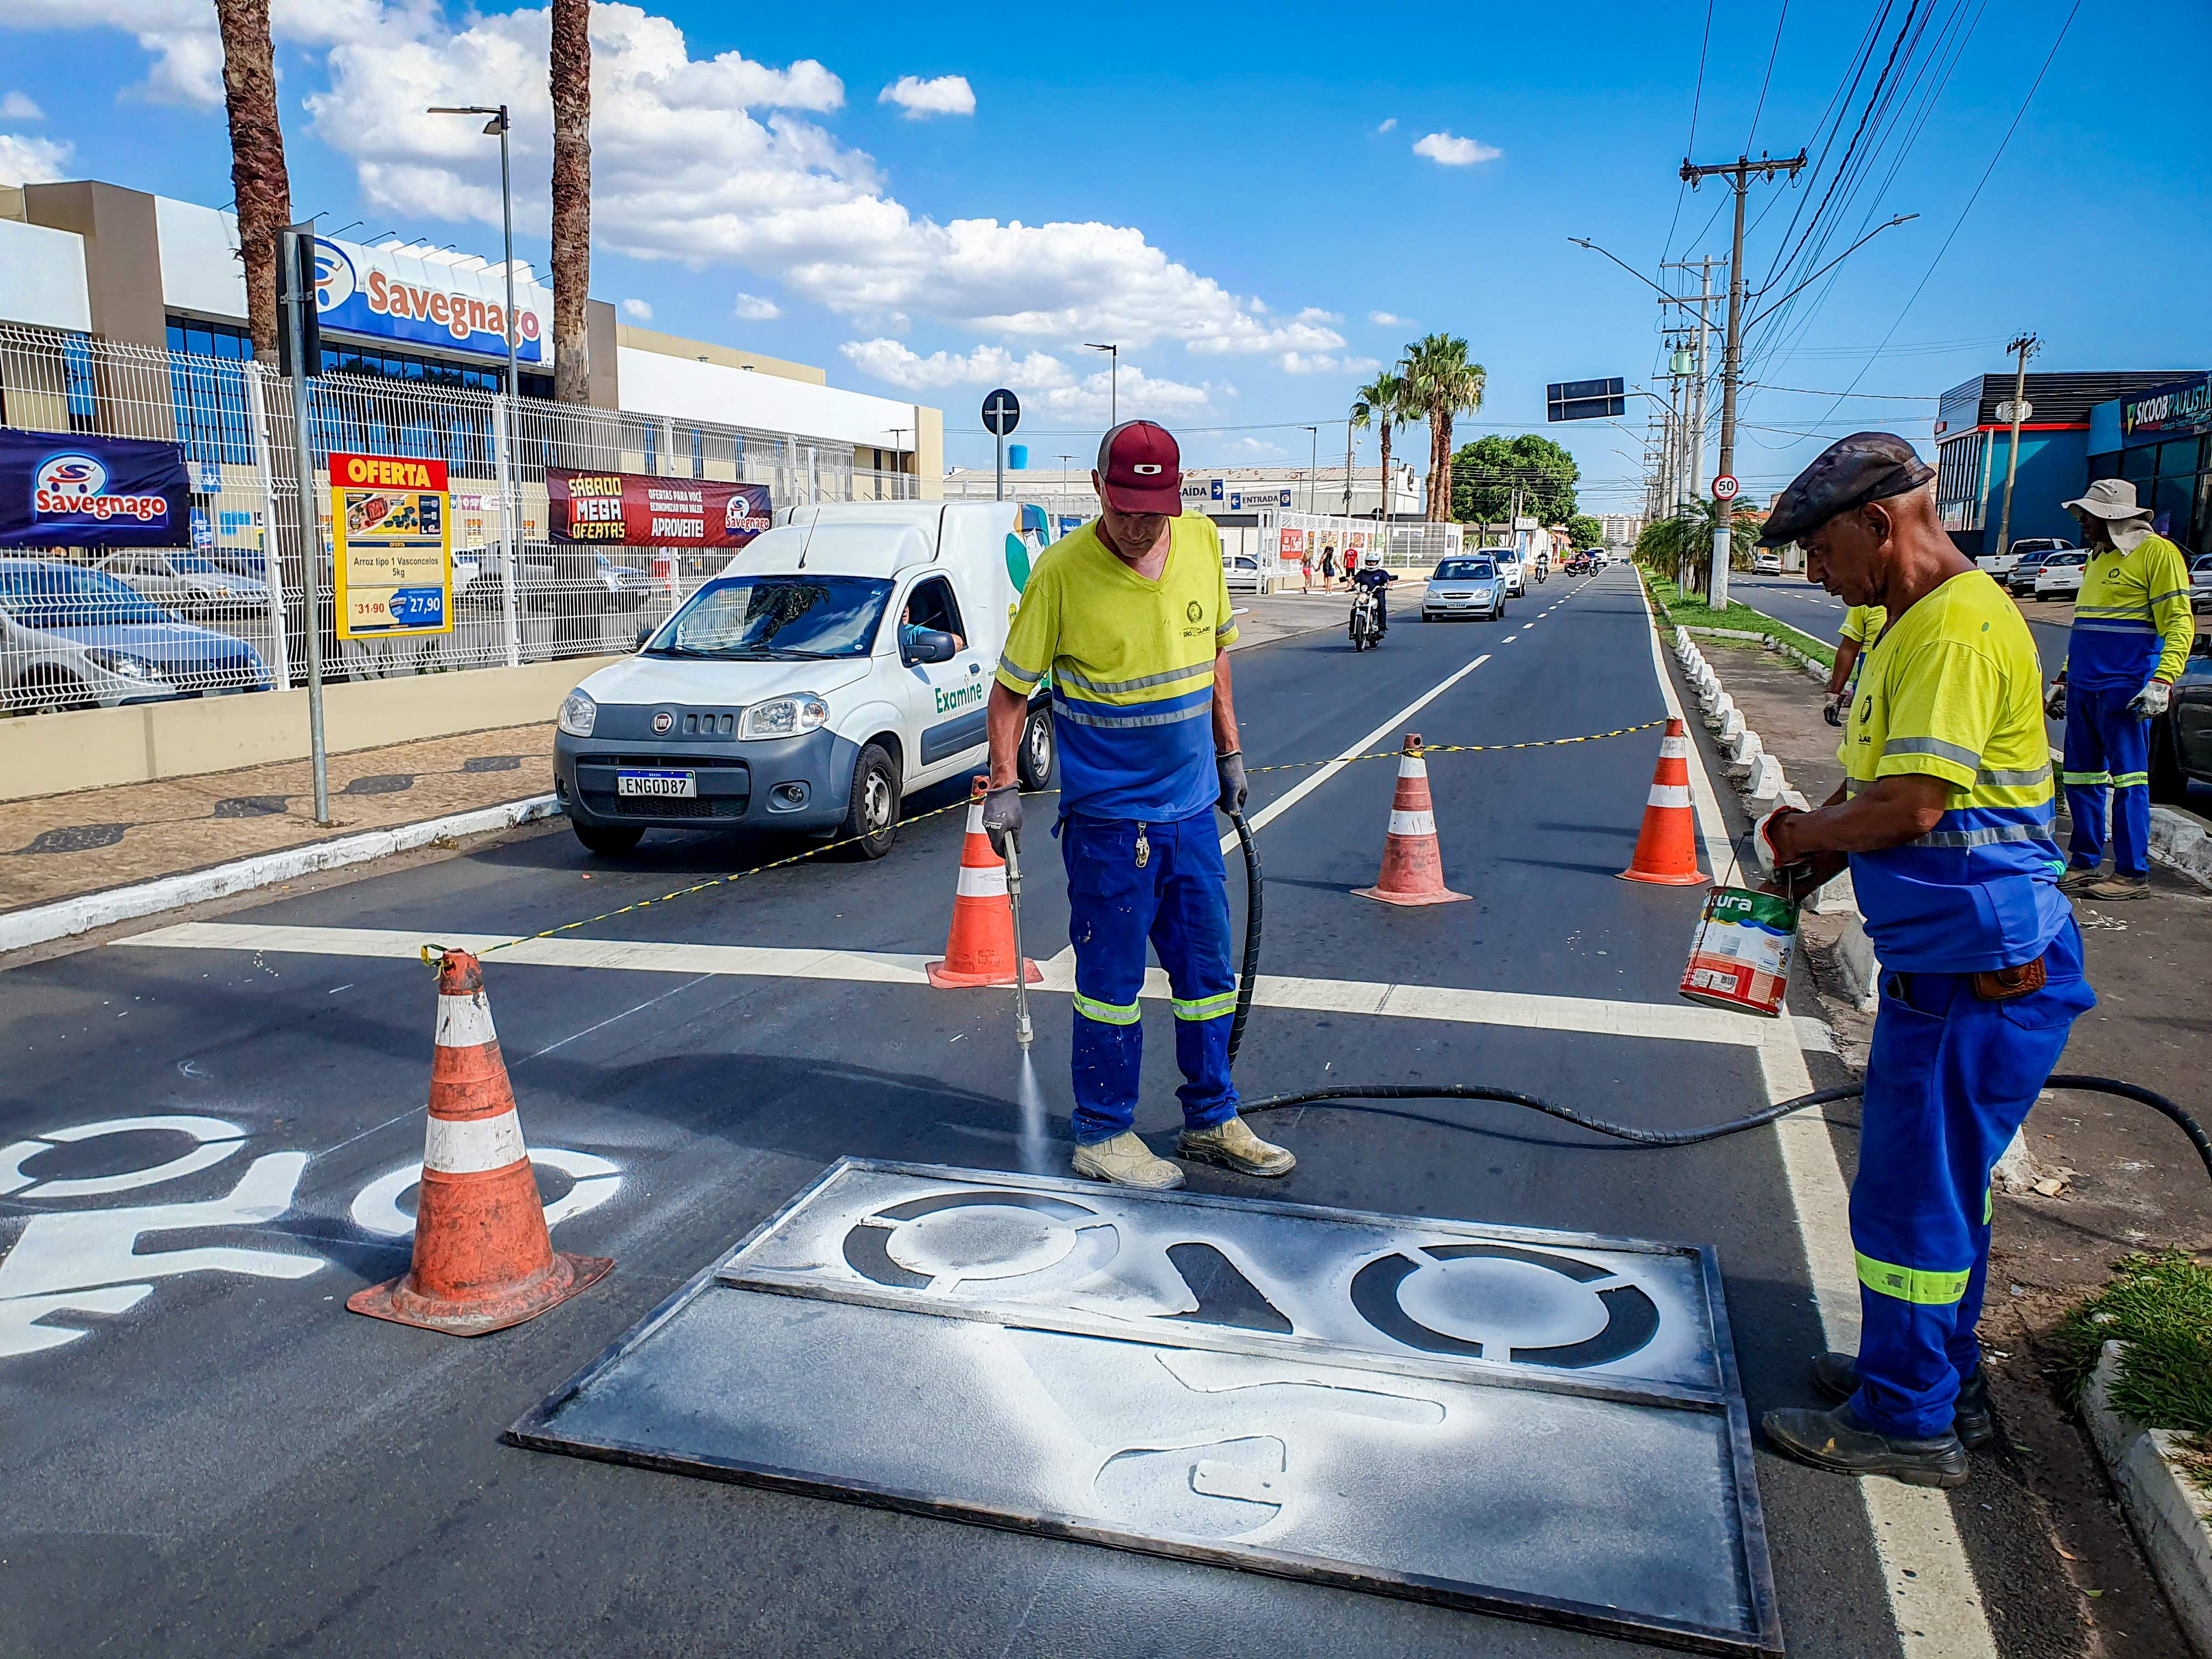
(2106, 747)
(1177, 899)
(1949, 1081)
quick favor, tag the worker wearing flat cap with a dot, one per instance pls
(1945, 819)
(2129, 641)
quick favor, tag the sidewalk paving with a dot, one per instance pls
(58, 847)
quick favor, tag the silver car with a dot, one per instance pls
(186, 581)
(73, 638)
(1467, 586)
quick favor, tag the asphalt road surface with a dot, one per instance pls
(1794, 600)
(212, 1456)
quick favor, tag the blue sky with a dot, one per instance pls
(1234, 197)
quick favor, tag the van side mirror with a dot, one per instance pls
(927, 645)
(644, 633)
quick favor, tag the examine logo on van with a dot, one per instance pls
(957, 697)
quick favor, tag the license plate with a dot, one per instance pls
(684, 785)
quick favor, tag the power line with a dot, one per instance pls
(1773, 53)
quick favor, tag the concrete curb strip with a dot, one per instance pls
(66, 918)
(2170, 1516)
(2179, 842)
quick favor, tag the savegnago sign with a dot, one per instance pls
(399, 297)
(69, 490)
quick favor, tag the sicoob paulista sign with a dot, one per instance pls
(66, 490)
(632, 509)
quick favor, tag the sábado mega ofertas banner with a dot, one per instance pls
(633, 509)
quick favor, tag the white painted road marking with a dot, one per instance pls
(1934, 1600)
(376, 1206)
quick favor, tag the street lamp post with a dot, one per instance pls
(1113, 379)
(1313, 466)
(497, 128)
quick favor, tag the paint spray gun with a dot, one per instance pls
(1023, 1031)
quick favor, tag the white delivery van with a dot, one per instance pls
(840, 661)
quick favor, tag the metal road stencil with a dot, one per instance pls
(1544, 1426)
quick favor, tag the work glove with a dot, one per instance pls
(2152, 700)
(1002, 816)
(1833, 710)
(1791, 879)
(2054, 704)
(1235, 786)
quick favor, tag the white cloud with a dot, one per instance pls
(1253, 447)
(1387, 125)
(753, 309)
(1295, 362)
(1387, 320)
(30, 161)
(1046, 384)
(1447, 151)
(15, 106)
(947, 94)
(641, 309)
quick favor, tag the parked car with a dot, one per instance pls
(2200, 583)
(1508, 561)
(2020, 578)
(1599, 558)
(186, 579)
(74, 638)
(2059, 575)
(2003, 564)
(1467, 586)
(2181, 739)
(1242, 572)
(477, 586)
(1766, 562)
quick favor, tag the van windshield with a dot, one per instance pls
(769, 618)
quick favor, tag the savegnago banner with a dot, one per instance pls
(66, 489)
(633, 509)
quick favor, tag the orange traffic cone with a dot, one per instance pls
(979, 950)
(1667, 845)
(484, 1259)
(1412, 864)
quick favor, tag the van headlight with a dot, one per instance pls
(784, 717)
(579, 713)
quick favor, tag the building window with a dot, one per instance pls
(652, 448)
(698, 452)
(2136, 466)
(207, 390)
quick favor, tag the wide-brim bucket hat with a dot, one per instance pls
(2108, 498)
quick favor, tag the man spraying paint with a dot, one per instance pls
(1130, 616)
(1945, 819)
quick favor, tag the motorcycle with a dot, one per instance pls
(1365, 626)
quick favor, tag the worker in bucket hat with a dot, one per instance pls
(2130, 639)
(1130, 616)
(1945, 819)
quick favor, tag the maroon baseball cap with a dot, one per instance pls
(1140, 468)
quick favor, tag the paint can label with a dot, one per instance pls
(1740, 957)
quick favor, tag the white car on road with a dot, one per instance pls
(1468, 585)
(1766, 564)
(1242, 572)
(2060, 575)
(1510, 567)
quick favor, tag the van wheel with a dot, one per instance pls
(1033, 763)
(608, 840)
(871, 823)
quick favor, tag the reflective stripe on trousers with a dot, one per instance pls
(2107, 749)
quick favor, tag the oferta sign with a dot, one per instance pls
(393, 552)
(67, 489)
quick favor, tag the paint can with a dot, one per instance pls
(1740, 957)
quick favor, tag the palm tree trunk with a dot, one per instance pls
(1382, 510)
(572, 199)
(1444, 446)
(257, 177)
(1439, 465)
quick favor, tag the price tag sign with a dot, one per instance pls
(393, 546)
(1725, 487)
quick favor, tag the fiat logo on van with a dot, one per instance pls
(662, 723)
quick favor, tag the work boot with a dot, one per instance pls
(2077, 877)
(1232, 1143)
(1838, 1442)
(1126, 1162)
(2117, 887)
(1837, 1375)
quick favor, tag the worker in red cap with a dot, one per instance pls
(1130, 617)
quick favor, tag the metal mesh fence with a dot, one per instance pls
(80, 627)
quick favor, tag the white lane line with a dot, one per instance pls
(1934, 1600)
(1509, 639)
(1283, 803)
(1447, 1004)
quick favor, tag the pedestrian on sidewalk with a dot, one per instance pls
(1862, 628)
(1305, 570)
(1130, 615)
(1328, 568)
(2129, 641)
(1945, 819)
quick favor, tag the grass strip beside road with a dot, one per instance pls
(1681, 613)
(2160, 1307)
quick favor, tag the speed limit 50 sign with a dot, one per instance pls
(1725, 487)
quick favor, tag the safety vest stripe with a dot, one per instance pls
(2014, 779)
(981, 881)
(1065, 710)
(2169, 594)
(1935, 747)
(1107, 1013)
(1206, 1007)
(1014, 670)
(1985, 837)
(1069, 677)
(1924, 1285)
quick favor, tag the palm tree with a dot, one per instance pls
(572, 199)
(1681, 546)
(1442, 383)
(1381, 402)
(257, 159)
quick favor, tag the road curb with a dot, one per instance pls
(2180, 843)
(65, 918)
(2172, 1518)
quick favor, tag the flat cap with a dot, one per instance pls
(1866, 467)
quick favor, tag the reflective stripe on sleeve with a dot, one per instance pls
(1108, 1013)
(1935, 747)
(1014, 670)
(1924, 1285)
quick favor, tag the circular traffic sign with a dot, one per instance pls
(1002, 412)
(1725, 487)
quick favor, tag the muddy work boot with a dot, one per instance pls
(2116, 887)
(2077, 877)
(1126, 1161)
(1838, 1442)
(1972, 1420)
(1232, 1143)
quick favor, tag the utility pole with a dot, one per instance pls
(1739, 173)
(2023, 345)
(1347, 478)
(1313, 466)
(1704, 301)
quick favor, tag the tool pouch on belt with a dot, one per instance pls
(2003, 984)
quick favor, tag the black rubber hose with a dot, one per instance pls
(1349, 1094)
